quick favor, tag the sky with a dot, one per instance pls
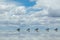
(31, 14)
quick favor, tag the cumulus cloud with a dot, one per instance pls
(19, 14)
(52, 6)
(13, 15)
(51, 9)
(9, 12)
(54, 12)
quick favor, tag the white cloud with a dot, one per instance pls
(10, 13)
(13, 13)
(30, 36)
(52, 8)
(48, 3)
(19, 10)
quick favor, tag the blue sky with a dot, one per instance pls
(31, 14)
(26, 3)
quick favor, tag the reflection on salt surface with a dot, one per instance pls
(13, 34)
(41, 35)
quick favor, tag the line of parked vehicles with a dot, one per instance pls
(37, 29)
